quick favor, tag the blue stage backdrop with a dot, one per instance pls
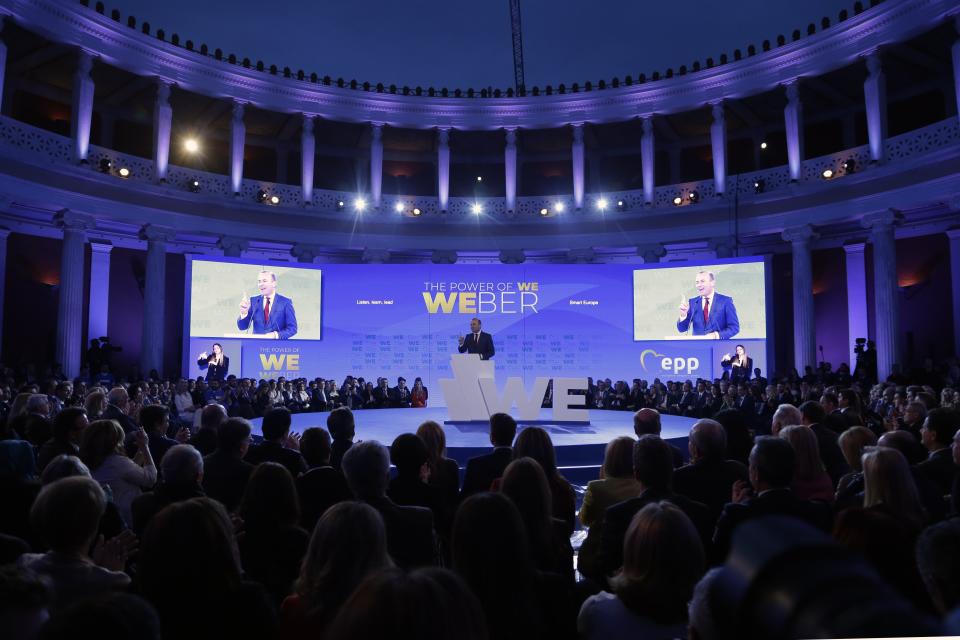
(602, 320)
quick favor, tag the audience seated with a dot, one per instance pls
(68, 428)
(938, 561)
(534, 442)
(112, 616)
(810, 479)
(102, 450)
(444, 472)
(348, 544)
(278, 445)
(24, 603)
(483, 470)
(155, 421)
(616, 484)
(205, 439)
(225, 474)
(710, 476)
(181, 471)
(410, 486)
(116, 409)
(663, 558)
(888, 486)
(322, 486)
(410, 534)
(18, 487)
(705, 622)
(785, 416)
(647, 421)
(813, 416)
(736, 427)
(939, 428)
(852, 443)
(342, 430)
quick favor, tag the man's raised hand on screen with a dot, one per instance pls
(244, 305)
(684, 307)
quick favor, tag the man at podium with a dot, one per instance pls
(709, 314)
(477, 341)
(270, 313)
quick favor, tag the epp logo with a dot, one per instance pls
(676, 366)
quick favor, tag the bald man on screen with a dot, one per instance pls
(270, 313)
(709, 314)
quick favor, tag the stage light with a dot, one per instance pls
(677, 201)
(399, 207)
(262, 195)
(477, 208)
(340, 205)
(544, 211)
(827, 174)
(416, 211)
(124, 172)
(559, 207)
(105, 165)
(190, 145)
(194, 185)
(620, 205)
(602, 204)
(693, 196)
(359, 204)
(763, 145)
(758, 185)
(849, 166)
(479, 178)
(274, 199)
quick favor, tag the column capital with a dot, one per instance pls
(101, 247)
(799, 235)
(854, 247)
(232, 246)
(647, 123)
(722, 247)
(376, 130)
(238, 109)
(163, 90)
(880, 220)
(511, 136)
(443, 256)
(443, 136)
(305, 252)
(582, 256)
(716, 110)
(375, 256)
(308, 123)
(792, 89)
(154, 233)
(874, 65)
(513, 256)
(577, 132)
(651, 253)
(67, 219)
(84, 62)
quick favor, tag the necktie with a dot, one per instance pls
(266, 311)
(706, 311)
(476, 338)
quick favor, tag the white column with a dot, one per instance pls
(793, 123)
(804, 326)
(578, 165)
(886, 290)
(875, 99)
(4, 233)
(3, 64)
(376, 163)
(718, 144)
(97, 318)
(510, 169)
(70, 306)
(856, 296)
(954, 236)
(443, 167)
(955, 52)
(238, 135)
(162, 125)
(154, 297)
(308, 146)
(82, 109)
(648, 160)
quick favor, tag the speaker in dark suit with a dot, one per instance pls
(477, 341)
(269, 312)
(709, 313)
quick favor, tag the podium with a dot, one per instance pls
(249, 336)
(685, 336)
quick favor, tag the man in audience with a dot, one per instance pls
(68, 427)
(482, 470)
(772, 462)
(24, 603)
(117, 401)
(278, 444)
(225, 473)
(322, 486)
(938, 560)
(913, 417)
(653, 469)
(182, 473)
(647, 421)
(834, 417)
(400, 394)
(37, 427)
(205, 439)
(410, 537)
(155, 421)
(936, 435)
(342, 428)
(710, 476)
(786, 415)
(813, 416)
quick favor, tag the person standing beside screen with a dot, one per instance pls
(741, 365)
(711, 314)
(216, 363)
(272, 314)
(477, 341)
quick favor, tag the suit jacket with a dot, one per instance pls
(722, 317)
(482, 345)
(215, 371)
(483, 470)
(780, 502)
(225, 478)
(830, 453)
(709, 482)
(400, 397)
(112, 412)
(939, 467)
(410, 538)
(268, 451)
(382, 397)
(283, 320)
(617, 519)
(319, 489)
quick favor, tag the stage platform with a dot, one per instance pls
(579, 446)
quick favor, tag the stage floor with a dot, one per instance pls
(577, 445)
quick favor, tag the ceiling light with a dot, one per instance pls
(678, 201)
(274, 199)
(602, 204)
(416, 211)
(194, 185)
(477, 208)
(559, 207)
(359, 204)
(399, 207)
(763, 145)
(190, 145)
(827, 174)
(124, 172)
(544, 211)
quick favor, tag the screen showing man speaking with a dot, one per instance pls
(703, 302)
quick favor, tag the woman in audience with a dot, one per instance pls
(102, 450)
(663, 560)
(94, 404)
(418, 395)
(189, 569)
(273, 543)
(426, 604)
(526, 485)
(348, 544)
(810, 479)
(444, 472)
(888, 485)
(410, 487)
(616, 484)
(534, 442)
(852, 443)
(17, 417)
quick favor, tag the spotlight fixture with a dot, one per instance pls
(620, 205)
(763, 145)
(544, 211)
(479, 178)
(398, 207)
(602, 204)
(274, 199)
(477, 208)
(359, 204)
(340, 205)
(677, 201)
(416, 211)
(262, 195)
(194, 185)
(693, 196)
(190, 145)
(827, 174)
(849, 166)
(105, 165)
(124, 172)
(559, 207)
(758, 185)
